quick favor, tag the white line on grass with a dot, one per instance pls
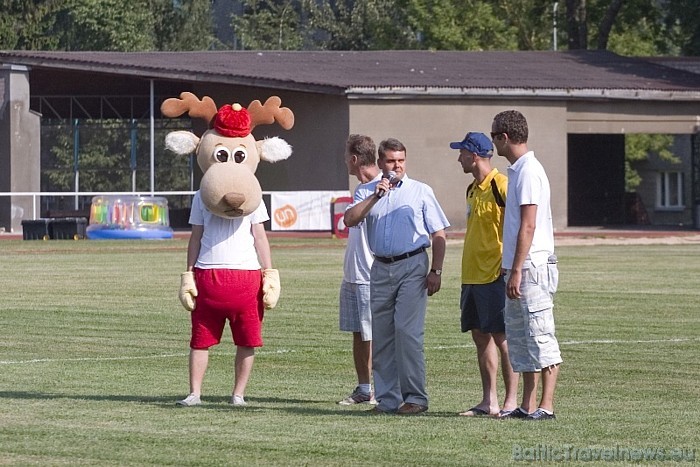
(282, 351)
(106, 359)
(596, 341)
(614, 341)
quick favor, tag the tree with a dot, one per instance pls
(117, 27)
(638, 148)
(359, 25)
(607, 23)
(121, 25)
(462, 24)
(270, 25)
(530, 21)
(183, 25)
(322, 24)
(108, 154)
(28, 24)
(627, 27)
(683, 25)
(576, 24)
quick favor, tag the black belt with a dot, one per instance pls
(392, 259)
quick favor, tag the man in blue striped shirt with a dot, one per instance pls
(402, 217)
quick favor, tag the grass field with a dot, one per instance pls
(94, 346)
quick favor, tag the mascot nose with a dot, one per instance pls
(234, 200)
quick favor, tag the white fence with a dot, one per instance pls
(289, 210)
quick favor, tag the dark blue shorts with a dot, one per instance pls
(482, 306)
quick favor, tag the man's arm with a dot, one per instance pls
(528, 216)
(357, 213)
(434, 280)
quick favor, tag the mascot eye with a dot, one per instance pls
(239, 155)
(222, 154)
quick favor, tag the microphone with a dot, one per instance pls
(391, 175)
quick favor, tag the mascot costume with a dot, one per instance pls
(229, 267)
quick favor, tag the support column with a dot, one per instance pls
(20, 155)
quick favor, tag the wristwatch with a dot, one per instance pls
(437, 271)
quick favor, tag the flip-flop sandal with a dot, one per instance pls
(474, 412)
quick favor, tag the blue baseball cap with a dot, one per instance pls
(477, 143)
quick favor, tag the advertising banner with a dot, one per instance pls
(303, 210)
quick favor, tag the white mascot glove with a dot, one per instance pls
(188, 290)
(270, 287)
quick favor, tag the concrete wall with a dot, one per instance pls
(633, 117)
(19, 147)
(427, 127)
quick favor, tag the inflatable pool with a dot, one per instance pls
(129, 218)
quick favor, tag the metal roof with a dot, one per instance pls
(568, 74)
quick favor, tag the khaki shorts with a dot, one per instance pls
(530, 321)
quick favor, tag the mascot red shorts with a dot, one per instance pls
(230, 294)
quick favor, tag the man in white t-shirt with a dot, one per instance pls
(531, 268)
(224, 282)
(355, 313)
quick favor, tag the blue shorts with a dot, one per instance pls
(482, 306)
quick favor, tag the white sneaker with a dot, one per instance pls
(190, 401)
(359, 397)
(238, 401)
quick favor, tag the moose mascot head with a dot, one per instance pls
(227, 152)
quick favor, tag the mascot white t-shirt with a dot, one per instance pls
(226, 243)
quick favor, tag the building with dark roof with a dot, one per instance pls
(579, 105)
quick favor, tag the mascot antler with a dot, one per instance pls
(269, 113)
(260, 114)
(188, 102)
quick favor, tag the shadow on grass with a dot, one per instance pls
(302, 407)
(91, 397)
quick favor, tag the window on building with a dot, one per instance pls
(669, 190)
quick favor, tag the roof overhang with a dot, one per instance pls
(520, 93)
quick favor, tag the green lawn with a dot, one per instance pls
(94, 349)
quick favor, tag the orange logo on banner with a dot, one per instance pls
(286, 216)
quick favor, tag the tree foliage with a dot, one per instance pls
(683, 25)
(531, 20)
(628, 27)
(106, 154)
(270, 25)
(111, 25)
(460, 25)
(115, 28)
(29, 24)
(359, 25)
(182, 25)
(322, 25)
(638, 148)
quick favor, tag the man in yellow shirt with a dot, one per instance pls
(483, 288)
